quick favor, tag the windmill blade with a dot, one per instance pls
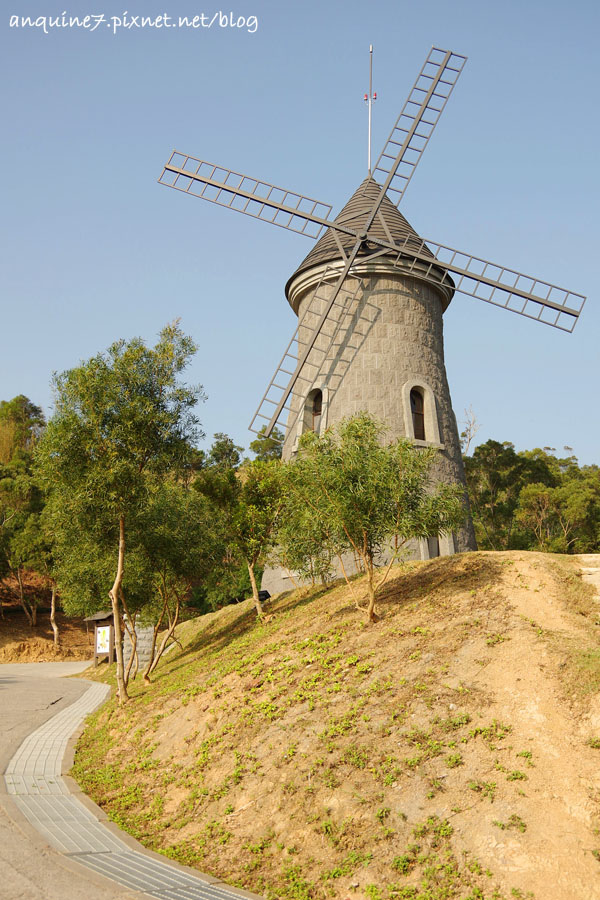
(417, 121)
(244, 194)
(495, 284)
(309, 347)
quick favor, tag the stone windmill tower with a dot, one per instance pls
(371, 293)
(381, 348)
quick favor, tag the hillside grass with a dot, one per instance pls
(313, 755)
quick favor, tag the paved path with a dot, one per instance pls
(49, 831)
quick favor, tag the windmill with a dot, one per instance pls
(371, 293)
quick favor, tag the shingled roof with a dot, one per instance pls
(354, 215)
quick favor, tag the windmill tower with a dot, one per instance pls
(371, 293)
(381, 348)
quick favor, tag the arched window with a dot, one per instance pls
(316, 401)
(417, 408)
(312, 413)
(420, 412)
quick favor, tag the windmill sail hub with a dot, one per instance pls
(389, 225)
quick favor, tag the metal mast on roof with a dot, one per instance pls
(369, 101)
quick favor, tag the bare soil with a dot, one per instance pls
(19, 642)
(451, 750)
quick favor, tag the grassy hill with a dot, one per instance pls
(451, 750)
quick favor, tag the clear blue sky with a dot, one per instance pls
(94, 249)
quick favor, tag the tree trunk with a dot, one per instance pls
(26, 610)
(129, 623)
(255, 597)
(370, 567)
(373, 617)
(173, 620)
(147, 670)
(53, 618)
(291, 577)
(163, 596)
(136, 664)
(114, 599)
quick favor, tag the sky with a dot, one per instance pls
(94, 249)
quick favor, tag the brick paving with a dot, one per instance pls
(33, 779)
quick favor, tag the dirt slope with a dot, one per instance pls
(452, 750)
(21, 643)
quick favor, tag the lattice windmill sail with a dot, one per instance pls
(371, 293)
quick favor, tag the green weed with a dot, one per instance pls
(373, 892)
(485, 788)
(514, 822)
(296, 887)
(349, 864)
(494, 639)
(454, 760)
(497, 731)
(357, 757)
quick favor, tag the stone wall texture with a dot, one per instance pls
(144, 645)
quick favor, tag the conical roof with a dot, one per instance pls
(355, 214)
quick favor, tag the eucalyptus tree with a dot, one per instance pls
(21, 424)
(304, 545)
(21, 503)
(181, 543)
(228, 579)
(265, 447)
(249, 502)
(565, 518)
(21, 500)
(369, 498)
(123, 423)
(224, 453)
(496, 474)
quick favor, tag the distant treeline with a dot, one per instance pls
(533, 500)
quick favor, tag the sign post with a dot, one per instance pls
(104, 636)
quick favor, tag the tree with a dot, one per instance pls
(83, 567)
(471, 427)
(249, 501)
(20, 506)
(266, 448)
(227, 582)
(533, 499)
(496, 474)
(224, 453)
(182, 544)
(123, 423)
(21, 424)
(565, 518)
(370, 498)
(536, 512)
(43, 562)
(303, 545)
(31, 545)
(228, 579)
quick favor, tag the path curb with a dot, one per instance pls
(46, 798)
